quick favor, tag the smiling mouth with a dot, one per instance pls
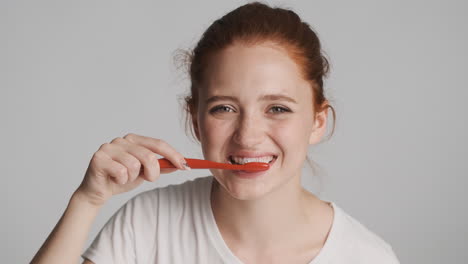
(242, 161)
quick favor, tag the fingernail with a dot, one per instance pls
(183, 164)
(187, 166)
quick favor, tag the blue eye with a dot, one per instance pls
(220, 108)
(280, 109)
(225, 108)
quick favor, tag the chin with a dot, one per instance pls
(242, 189)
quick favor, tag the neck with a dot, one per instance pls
(280, 216)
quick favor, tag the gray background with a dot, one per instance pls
(76, 74)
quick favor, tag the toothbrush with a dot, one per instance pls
(206, 164)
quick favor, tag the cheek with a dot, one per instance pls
(292, 137)
(212, 128)
(213, 134)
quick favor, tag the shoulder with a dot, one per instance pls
(363, 245)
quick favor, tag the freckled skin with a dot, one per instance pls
(246, 73)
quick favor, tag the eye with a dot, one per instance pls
(280, 109)
(221, 108)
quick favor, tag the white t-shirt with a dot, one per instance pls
(175, 224)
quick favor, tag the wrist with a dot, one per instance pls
(79, 197)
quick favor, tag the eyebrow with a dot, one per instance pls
(267, 97)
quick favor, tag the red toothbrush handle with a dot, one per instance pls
(193, 163)
(165, 163)
(206, 164)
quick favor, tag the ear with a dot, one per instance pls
(319, 127)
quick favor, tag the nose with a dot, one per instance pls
(249, 131)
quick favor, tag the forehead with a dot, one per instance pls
(256, 69)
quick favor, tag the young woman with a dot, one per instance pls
(256, 95)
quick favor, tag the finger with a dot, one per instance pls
(168, 170)
(160, 147)
(110, 168)
(119, 151)
(118, 172)
(147, 158)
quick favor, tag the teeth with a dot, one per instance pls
(239, 160)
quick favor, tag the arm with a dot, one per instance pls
(65, 243)
(117, 167)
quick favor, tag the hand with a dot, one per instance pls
(123, 164)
